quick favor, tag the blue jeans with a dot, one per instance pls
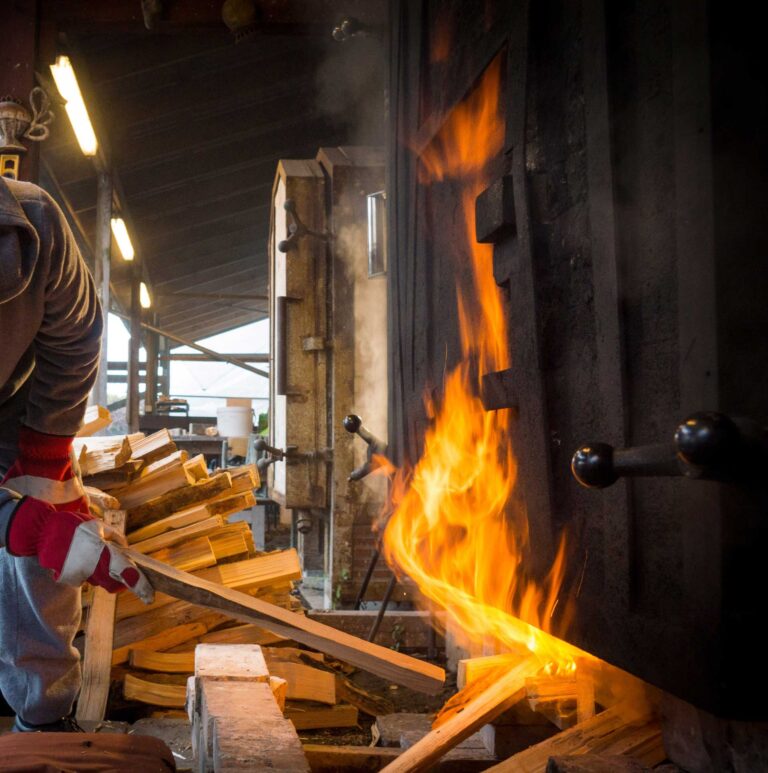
(39, 667)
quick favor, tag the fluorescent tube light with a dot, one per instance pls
(66, 83)
(122, 238)
(144, 298)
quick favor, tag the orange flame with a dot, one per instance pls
(451, 530)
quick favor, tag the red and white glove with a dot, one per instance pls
(45, 469)
(77, 547)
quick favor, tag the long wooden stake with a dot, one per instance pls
(99, 634)
(383, 662)
(483, 709)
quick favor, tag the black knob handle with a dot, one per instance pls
(592, 465)
(352, 423)
(707, 439)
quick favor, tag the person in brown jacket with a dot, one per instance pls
(50, 336)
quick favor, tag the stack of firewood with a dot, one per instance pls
(177, 513)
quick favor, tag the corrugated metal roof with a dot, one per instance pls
(195, 126)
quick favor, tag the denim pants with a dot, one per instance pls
(39, 667)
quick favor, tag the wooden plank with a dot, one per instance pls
(471, 669)
(152, 447)
(188, 556)
(174, 536)
(499, 696)
(228, 542)
(154, 693)
(96, 418)
(232, 662)
(248, 729)
(160, 477)
(176, 521)
(323, 757)
(310, 718)
(165, 662)
(173, 501)
(97, 649)
(623, 729)
(385, 663)
(304, 682)
(170, 637)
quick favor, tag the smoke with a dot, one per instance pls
(350, 88)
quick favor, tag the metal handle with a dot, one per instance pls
(706, 445)
(297, 229)
(354, 425)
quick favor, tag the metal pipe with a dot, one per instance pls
(204, 349)
(281, 315)
(383, 608)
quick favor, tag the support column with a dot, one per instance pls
(165, 380)
(150, 391)
(132, 413)
(102, 257)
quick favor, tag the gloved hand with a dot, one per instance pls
(77, 547)
(44, 469)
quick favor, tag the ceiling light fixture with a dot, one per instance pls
(66, 83)
(144, 298)
(122, 238)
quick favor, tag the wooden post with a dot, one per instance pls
(150, 393)
(101, 262)
(133, 355)
(165, 360)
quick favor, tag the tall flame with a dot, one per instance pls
(451, 529)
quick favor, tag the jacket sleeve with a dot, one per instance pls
(68, 340)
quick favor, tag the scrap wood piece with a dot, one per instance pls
(305, 683)
(101, 503)
(626, 729)
(183, 518)
(96, 418)
(243, 634)
(374, 705)
(486, 706)
(385, 663)
(174, 536)
(173, 501)
(196, 468)
(479, 684)
(152, 447)
(161, 634)
(306, 717)
(190, 556)
(156, 479)
(564, 700)
(95, 454)
(165, 662)
(97, 648)
(113, 477)
(154, 692)
(323, 757)
(471, 669)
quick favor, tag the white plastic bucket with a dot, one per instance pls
(234, 421)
